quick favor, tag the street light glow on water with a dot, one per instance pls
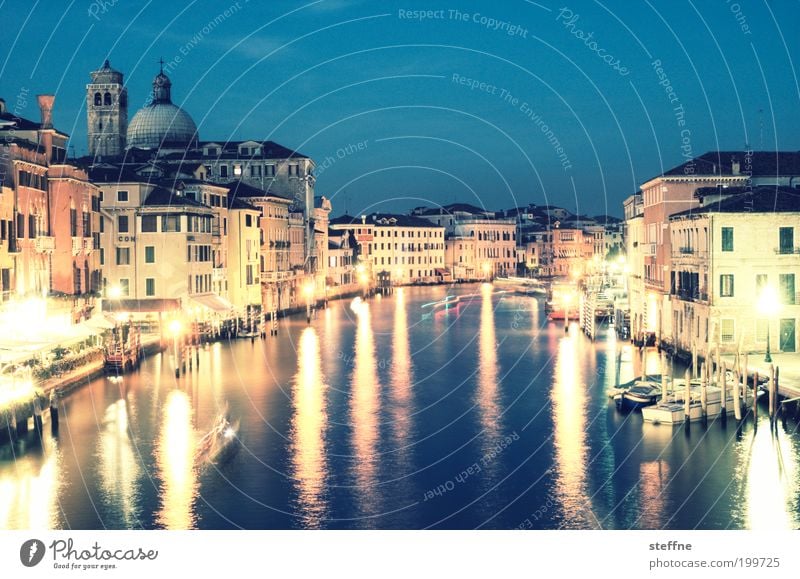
(379, 416)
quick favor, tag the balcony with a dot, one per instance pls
(686, 251)
(88, 245)
(691, 295)
(648, 248)
(44, 244)
(787, 250)
(77, 245)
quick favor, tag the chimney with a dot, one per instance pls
(46, 108)
(2, 106)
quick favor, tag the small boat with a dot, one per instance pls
(219, 443)
(637, 397)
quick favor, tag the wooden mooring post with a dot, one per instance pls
(723, 386)
(737, 406)
(772, 394)
(687, 398)
(755, 400)
(704, 390)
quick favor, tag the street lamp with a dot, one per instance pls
(308, 290)
(768, 305)
(566, 298)
(175, 328)
(487, 269)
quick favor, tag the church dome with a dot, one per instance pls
(161, 124)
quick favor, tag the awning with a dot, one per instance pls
(442, 272)
(213, 302)
(153, 305)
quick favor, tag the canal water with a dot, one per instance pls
(392, 414)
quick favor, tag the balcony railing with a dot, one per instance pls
(77, 245)
(692, 296)
(88, 245)
(787, 250)
(44, 244)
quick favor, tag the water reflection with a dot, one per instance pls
(364, 408)
(770, 481)
(175, 463)
(118, 464)
(308, 427)
(29, 493)
(569, 403)
(402, 376)
(653, 481)
(488, 372)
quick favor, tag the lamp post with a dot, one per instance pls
(361, 270)
(175, 329)
(768, 306)
(567, 297)
(308, 290)
(487, 271)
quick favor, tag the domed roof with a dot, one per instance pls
(161, 124)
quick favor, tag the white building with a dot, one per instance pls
(729, 259)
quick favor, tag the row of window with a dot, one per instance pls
(409, 247)
(32, 180)
(382, 232)
(785, 239)
(786, 286)
(254, 170)
(198, 253)
(421, 261)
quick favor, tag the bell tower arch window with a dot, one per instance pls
(98, 99)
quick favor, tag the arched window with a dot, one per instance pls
(98, 99)
(107, 99)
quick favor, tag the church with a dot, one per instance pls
(237, 225)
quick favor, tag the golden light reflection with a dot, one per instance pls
(308, 432)
(118, 465)
(653, 480)
(29, 493)
(770, 482)
(175, 462)
(569, 402)
(365, 407)
(488, 371)
(402, 378)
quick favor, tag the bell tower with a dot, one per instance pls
(106, 112)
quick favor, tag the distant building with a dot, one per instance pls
(493, 251)
(406, 248)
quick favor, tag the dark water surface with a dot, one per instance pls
(381, 416)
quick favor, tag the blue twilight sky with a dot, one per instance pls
(573, 111)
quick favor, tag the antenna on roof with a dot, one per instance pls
(161, 64)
